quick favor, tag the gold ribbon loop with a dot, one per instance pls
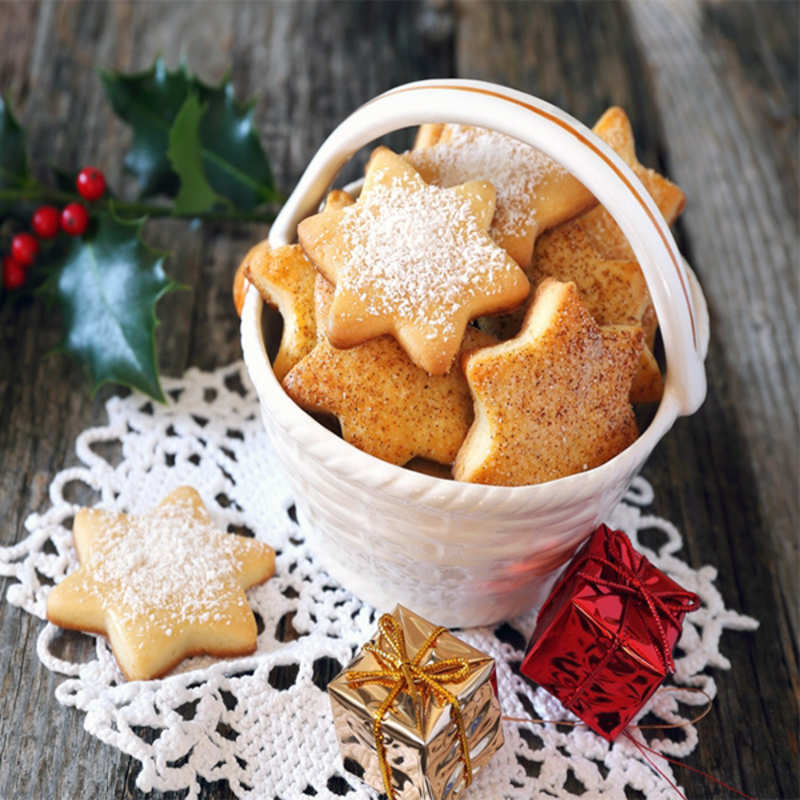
(399, 673)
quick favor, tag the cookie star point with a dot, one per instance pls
(284, 278)
(534, 192)
(162, 585)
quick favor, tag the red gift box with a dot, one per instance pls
(604, 638)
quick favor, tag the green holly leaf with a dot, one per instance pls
(186, 156)
(107, 285)
(14, 171)
(148, 101)
(233, 162)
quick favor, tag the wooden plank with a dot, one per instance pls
(560, 52)
(732, 467)
(45, 400)
(44, 404)
(17, 39)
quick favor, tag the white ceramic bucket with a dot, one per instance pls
(467, 554)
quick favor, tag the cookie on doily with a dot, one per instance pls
(161, 586)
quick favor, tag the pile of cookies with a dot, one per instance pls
(473, 308)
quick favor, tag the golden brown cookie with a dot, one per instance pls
(338, 198)
(411, 260)
(534, 192)
(608, 239)
(387, 406)
(552, 401)
(161, 586)
(648, 383)
(613, 291)
(592, 251)
(285, 279)
(616, 302)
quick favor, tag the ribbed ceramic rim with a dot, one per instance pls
(678, 298)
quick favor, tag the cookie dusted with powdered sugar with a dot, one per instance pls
(161, 586)
(411, 260)
(592, 251)
(534, 192)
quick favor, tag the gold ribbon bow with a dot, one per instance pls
(400, 673)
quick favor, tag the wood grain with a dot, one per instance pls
(712, 91)
(743, 239)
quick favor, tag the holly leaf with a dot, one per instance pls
(148, 101)
(107, 285)
(14, 170)
(234, 163)
(186, 156)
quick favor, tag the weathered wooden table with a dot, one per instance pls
(712, 91)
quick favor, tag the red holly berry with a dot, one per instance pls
(74, 219)
(91, 183)
(46, 222)
(13, 273)
(24, 248)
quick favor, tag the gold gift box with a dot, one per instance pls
(421, 734)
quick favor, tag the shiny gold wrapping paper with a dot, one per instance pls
(425, 758)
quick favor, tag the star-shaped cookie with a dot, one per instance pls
(592, 251)
(534, 192)
(552, 401)
(257, 255)
(284, 278)
(615, 128)
(161, 586)
(387, 406)
(411, 260)
(614, 291)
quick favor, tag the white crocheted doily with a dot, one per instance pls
(212, 720)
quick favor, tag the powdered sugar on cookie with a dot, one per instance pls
(417, 254)
(412, 260)
(165, 559)
(515, 170)
(161, 586)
